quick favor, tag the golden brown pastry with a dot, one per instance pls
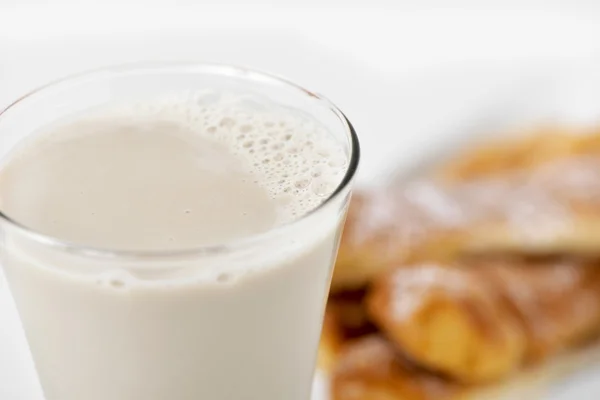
(390, 227)
(351, 314)
(372, 369)
(548, 180)
(345, 319)
(557, 301)
(525, 153)
(448, 319)
(482, 319)
(454, 301)
(332, 339)
(369, 240)
(555, 209)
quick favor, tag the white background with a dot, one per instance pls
(405, 73)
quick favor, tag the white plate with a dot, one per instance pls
(409, 81)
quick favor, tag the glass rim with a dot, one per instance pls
(217, 69)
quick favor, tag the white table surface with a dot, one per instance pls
(403, 76)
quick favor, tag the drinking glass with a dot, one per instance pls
(114, 324)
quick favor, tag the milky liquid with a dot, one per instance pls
(192, 170)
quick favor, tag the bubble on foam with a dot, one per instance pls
(322, 187)
(302, 183)
(245, 128)
(294, 157)
(227, 122)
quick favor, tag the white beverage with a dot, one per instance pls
(189, 171)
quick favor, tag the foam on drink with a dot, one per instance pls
(291, 155)
(178, 172)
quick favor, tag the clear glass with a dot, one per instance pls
(169, 337)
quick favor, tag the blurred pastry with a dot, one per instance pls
(484, 271)
(483, 319)
(351, 314)
(390, 227)
(557, 300)
(539, 193)
(345, 319)
(331, 342)
(372, 369)
(448, 319)
(555, 209)
(525, 152)
(369, 241)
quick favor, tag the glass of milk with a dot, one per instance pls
(168, 232)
